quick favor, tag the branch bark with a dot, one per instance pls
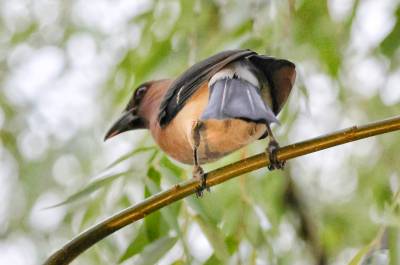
(96, 233)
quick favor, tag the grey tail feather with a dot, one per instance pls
(237, 98)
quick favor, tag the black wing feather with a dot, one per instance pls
(280, 74)
(190, 81)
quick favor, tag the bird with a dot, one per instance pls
(214, 108)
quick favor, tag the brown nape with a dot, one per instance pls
(150, 103)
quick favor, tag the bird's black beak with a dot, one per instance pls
(128, 121)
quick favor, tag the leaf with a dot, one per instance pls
(179, 262)
(232, 218)
(197, 207)
(392, 41)
(168, 164)
(92, 211)
(153, 188)
(152, 253)
(153, 156)
(212, 260)
(215, 238)
(136, 246)
(155, 176)
(90, 188)
(155, 224)
(232, 244)
(359, 257)
(379, 238)
(169, 213)
(129, 155)
(393, 235)
(154, 227)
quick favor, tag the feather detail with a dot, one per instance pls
(237, 99)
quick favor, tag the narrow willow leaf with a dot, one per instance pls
(130, 154)
(392, 41)
(153, 156)
(153, 222)
(155, 176)
(197, 207)
(136, 246)
(168, 164)
(394, 248)
(232, 243)
(92, 211)
(215, 238)
(359, 257)
(155, 251)
(377, 241)
(179, 262)
(212, 260)
(90, 188)
(166, 211)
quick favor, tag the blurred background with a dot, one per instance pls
(67, 68)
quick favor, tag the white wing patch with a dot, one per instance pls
(238, 69)
(242, 72)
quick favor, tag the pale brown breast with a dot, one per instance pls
(218, 137)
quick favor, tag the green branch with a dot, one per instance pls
(96, 233)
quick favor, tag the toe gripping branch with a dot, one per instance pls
(271, 150)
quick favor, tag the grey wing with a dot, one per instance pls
(186, 84)
(237, 98)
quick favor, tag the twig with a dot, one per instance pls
(94, 234)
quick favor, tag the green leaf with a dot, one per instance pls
(358, 258)
(393, 238)
(129, 155)
(169, 213)
(212, 260)
(166, 212)
(154, 175)
(198, 207)
(232, 218)
(154, 227)
(152, 253)
(153, 156)
(215, 238)
(232, 244)
(168, 164)
(136, 246)
(392, 41)
(92, 211)
(152, 182)
(155, 222)
(90, 188)
(179, 262)
(153, 187)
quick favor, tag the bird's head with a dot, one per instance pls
(131, 118)
(142, 109)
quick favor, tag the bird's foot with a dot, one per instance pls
(273, 146)
(198, 173)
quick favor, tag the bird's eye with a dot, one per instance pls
(140, 91)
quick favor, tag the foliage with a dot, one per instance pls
(68, 68)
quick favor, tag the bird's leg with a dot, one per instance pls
(198, 171)
(273, 145)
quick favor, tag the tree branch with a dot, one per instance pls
(94, 234)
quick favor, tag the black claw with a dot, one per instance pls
(199, 174)
(199, 192)
(273, 146)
